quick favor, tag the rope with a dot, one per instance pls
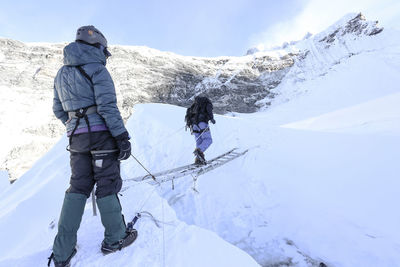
(194, 182)
(148, 214)
(205, 130)
(147, 199)
(140, 213)
(156, 222)
(163, 230)
(162, 140)
(152, 176)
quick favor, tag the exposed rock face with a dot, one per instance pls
(356, 26)
(233, 84)
(142, 75)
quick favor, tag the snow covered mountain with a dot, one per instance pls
(319, 183)
(143, 75)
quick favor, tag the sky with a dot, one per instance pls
(207, 28)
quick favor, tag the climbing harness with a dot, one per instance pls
(202, 132)
(82, 112)
(79, 114)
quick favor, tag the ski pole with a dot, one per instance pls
(152, 176)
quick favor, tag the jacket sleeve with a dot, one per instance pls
(58, 109)
(187, 117)
(209, 109)
(106, 101)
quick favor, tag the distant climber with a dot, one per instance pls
(86, 103)
(197, 117)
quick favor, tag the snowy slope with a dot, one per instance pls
(280, 202)
(319, 183)
(358, 119)
(30, 208)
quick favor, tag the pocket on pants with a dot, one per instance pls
(100, 157)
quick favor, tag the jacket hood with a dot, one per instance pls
(79, 54)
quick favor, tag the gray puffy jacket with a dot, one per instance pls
(73, 91)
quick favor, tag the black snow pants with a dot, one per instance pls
(88, 169)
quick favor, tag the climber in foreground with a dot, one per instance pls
(85, 102)
(197, 117)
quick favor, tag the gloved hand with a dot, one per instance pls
(213, 121)
(124, 146)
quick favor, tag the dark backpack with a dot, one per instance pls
(197, 111)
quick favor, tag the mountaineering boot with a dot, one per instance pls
(116, 236)
(66, 263)
(200, 160)
(68, 225)
(130, 237)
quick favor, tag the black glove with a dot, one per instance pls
(124, 146)
(213, 121)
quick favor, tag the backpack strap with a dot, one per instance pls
(202, 109)
(83, 72)
(82, 112)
